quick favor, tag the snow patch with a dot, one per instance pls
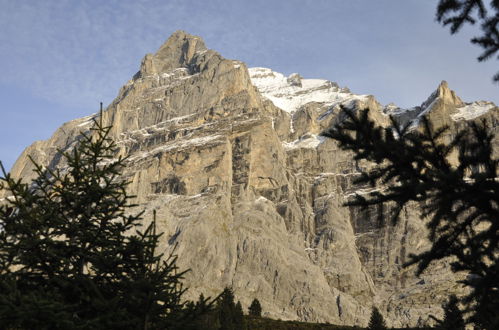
(88, 120)
(308, 141)
(8, 198)
(179, 144)
(161, 126)
(425, 108)
(472, 110)
(289, 95)
(261, 199)
(325, 114)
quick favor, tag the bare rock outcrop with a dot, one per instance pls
(232, 162)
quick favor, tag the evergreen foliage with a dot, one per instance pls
(457, 13)
(239, 319)
(255, 308)
(460, 200)
(263, 323)
(453, 318)
(229, 314)
(73, 257)
(376, 322)
(203, 315)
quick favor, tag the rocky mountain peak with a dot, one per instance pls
(442, 107)
(444, 94)
(178, 51)
(438, 108)
(180, 48)
(232, 162)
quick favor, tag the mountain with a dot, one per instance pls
(232, 161)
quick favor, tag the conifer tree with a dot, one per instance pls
(239, 320)
(376, 322)
(227, 310)
(458, 13)
(202, 315)
(453, 317)
(255, 308)
(460, 200)
(72, 255)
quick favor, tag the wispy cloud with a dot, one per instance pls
(77, 52)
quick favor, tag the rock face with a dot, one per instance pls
(231, 160)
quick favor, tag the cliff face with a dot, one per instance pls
(231, 161)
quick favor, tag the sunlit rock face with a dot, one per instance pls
(232, 161)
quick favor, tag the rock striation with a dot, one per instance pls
(232, 161)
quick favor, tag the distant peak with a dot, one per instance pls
(443, 84)
(292, 92)
(445, 94)
(443, 90)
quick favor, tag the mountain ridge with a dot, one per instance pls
(231, 160)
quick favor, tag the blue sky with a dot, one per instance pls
(60, 58)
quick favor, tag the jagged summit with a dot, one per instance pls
(442, 107)
(443, 93)
(179, 50)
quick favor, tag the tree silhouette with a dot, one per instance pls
(376, 322)
(458, 13)
(453, 317)
(239, 317)
(255, 308)
(72, 255)
(460, 200)
(230, 315)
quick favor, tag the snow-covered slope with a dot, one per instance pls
(290, 93)
(472, 110)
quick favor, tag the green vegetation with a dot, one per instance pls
(376, 322)
(453, 318)
(459, 199)
(458, 13)
(263, 323)
(230, 315)
(255, 308)
(73, 255)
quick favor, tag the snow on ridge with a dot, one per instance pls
(308, 141)
(472, 110)
(392, 108)
(87, 120)
(415, 122)
(161, 126)
(425, 108)
(179, 144)
(290, 93)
